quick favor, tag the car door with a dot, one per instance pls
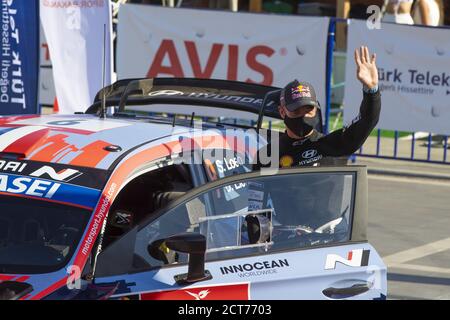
(296, 233)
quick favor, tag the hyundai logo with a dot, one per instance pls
(309, 154)
(165, 93)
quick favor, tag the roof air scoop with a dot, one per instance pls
(21, 142)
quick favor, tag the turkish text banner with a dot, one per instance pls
(257, 48)
(19, 57)
(414, 72)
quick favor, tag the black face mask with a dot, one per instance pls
(301, 126)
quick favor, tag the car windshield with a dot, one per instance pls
(38, 236)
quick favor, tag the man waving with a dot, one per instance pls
(301, 144)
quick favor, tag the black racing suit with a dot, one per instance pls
(325, 149)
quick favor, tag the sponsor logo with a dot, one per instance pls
(28, 186)
(165, 93)
(58, 4)
(217, 292)
(98, 219)
(12, 166)
(122, 218)
(309, 154)
(301, 92)
(43, 172)
(415, 77)
(211, 96)
(63, 175)
(355, 258)
(309, 161)
(199, 296)
(169, 54)
(255, 269)
(414, 81)
(286, 161)
(47, 189)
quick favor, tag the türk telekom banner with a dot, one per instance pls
(19, 56)
(414, 72)
(74, 30)
(258, 48)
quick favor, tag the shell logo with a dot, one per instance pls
(286, 161)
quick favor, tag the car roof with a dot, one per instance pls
(80, 140)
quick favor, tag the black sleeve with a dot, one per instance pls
(345, 141)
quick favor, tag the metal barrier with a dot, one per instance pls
(380, 143)
(412, 151)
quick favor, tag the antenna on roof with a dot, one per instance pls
(103, 105)
(174, 119)
(192, 119)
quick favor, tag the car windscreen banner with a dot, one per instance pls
(257, 48)
(414, 71)
(19, 57)
(75, 37)
(67, 184)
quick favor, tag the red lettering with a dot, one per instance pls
(195, 60)
(167, 47)
(233, 56)
(266, 72)
(47, 52)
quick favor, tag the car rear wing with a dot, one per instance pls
(184, 93)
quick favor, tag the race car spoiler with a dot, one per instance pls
(225, 94)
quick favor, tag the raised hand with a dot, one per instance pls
(366, 68)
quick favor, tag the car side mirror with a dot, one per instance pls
(193, 244)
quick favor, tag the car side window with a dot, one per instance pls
(258, 215)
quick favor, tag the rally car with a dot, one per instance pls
(134, 199)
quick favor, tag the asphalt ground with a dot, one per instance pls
(409, 226)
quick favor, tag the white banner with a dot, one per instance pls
(47, 92)
(265, 49)
(414, 71)
(74, 32)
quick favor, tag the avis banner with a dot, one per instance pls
(256, 48)
(75, 37)
(19, 57)
(414, 72)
